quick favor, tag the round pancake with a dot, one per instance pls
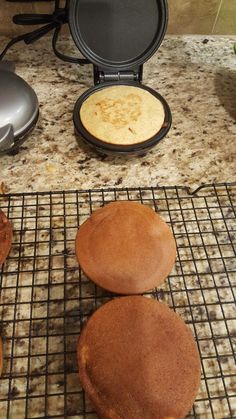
(1, 356)
(126, 248)
(138, 360)
(5, 237)
(122, 115)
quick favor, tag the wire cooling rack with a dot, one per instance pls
(45, 298)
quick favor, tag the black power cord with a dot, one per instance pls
(53, 21)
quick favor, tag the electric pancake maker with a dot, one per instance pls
(19, 109)
(118, 37)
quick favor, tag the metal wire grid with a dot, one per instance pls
(45, 298)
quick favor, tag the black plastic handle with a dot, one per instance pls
(32, 19)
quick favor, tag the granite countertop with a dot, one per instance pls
(197, 77)
(45, 298)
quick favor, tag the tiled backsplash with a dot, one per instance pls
(185, 16)
(202, 17)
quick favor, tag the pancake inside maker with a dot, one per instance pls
(122, 115)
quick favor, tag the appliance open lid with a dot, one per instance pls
(118, 34)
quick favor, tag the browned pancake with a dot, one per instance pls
(138, 360)
(1, 356)
(125, 247)
(122, 114)
(5, 237)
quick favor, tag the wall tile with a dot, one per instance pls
(8, 10)
(192, 17)
(226, 22)
(185, 16)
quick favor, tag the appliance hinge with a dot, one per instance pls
(102, 76)
(119, 76)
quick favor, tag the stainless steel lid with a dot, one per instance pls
(18, 108)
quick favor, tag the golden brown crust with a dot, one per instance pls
(125, 247)
(1, 356)
(122, 114)
(5, 237)
(137, 359)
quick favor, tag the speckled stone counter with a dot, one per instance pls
(45, 298)
(197, 77)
